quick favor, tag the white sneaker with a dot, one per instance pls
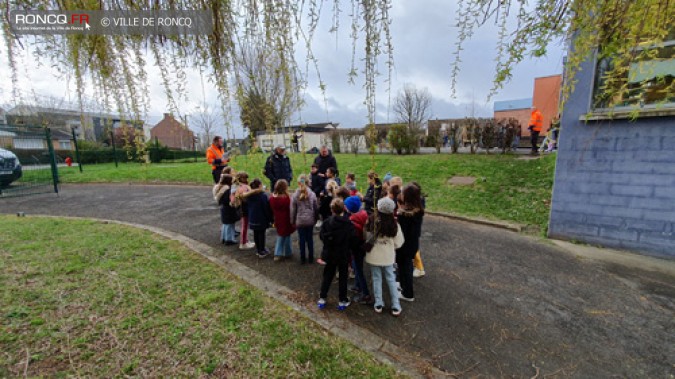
(247, 246)
(401, 297)
(418, 273)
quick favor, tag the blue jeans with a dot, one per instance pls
(390, 277)
(359, 276)
(283, 247)
(306, 237)
(227, 232)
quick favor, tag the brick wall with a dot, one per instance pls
(615, 180)
(169, 132)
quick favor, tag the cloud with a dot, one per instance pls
(423, 36)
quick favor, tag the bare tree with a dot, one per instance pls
(267, 91)
(207, 122)
(412, 107)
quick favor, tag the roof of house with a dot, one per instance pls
(32, 132)
(322, 127)
(168, 118)
(33, 110)
(509, 105)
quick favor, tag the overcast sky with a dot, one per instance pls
(423, 38)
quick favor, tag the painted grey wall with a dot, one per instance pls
(615, 180)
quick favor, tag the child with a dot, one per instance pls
(259, 216)
(358, 217)
(239, 200)
(221, 192)
(317, 183)
(343, 193)
(383, 254)
(304, 214)
(337, 232)
(280, 203)
(331, 174)
(326, 197)
(350, 184)
(228, 214)
(418, 270)
(373, 192)
(410, 214)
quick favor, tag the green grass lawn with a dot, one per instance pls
(508, 188)
(88, 299)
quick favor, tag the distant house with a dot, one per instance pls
(95, 127)
(545, 96)
(22, 138)
(173, 134)
(313, 135)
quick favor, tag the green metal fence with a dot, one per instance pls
(28, 163)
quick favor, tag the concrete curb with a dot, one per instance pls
(496, 224)
(404, 361)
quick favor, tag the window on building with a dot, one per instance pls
(646, 81)
(29, 143)
(64, 145)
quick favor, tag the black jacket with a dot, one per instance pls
(228, 214)
(337, 234)
(318, 184)
(372, 196)
(278, 167)
(259, 212)
(411, 226)
(324, 164)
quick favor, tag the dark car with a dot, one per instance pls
(10, 168)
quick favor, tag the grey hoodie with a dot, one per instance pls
(304, 212)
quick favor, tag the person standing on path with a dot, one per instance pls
(324, 161)
(259, 216)
(304, 214)
(215, 155)
(337, 234)
(410, 214)
(278, 166)
(535, 124)
(381, 258)
(280, 203)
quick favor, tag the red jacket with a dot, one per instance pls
(359, 220)
(281, 209)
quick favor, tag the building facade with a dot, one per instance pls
(173, 134)
(615, 177)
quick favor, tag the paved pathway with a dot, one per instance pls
(493, 302)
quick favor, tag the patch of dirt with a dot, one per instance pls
(462, 181)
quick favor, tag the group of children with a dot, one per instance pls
(381, 228)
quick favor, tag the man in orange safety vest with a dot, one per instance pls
(535, 124)
(215, 155)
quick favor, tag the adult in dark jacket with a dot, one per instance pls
(324, 161)
(278, 166)
(410, 215)
(337, 234)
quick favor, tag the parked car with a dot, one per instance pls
(10, 168)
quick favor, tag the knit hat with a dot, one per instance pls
(387, 177)
(353, 204)
(386, 205)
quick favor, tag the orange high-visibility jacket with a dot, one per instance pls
(536, 120)
(214, 152)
